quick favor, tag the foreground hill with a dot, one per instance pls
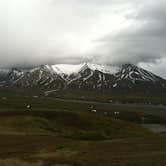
(60, 137)
(86, 77)
(74, 138)
(70, 134)
(74, 125)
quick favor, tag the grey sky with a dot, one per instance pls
(34, 32)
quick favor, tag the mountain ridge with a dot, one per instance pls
(85, 76)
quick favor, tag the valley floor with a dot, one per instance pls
(65, 133)
(51, 150)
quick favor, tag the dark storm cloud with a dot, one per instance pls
(144, 40)
(34, 32)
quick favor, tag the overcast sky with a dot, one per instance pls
(34, 32)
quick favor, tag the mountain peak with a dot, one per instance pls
(84, 76)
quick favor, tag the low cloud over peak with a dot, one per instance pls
(35, 32)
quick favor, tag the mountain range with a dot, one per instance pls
(85, 76)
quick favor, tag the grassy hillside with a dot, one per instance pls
(65, 133)
(51, 150)
(47, 138)
(68, 124)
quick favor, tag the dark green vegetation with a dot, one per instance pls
(73, 125)
(51, 150)
(121, 97)
(118, 97)
(65, 133)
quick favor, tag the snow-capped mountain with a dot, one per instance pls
(84, 76)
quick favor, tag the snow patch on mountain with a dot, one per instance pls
(104, 68)
(73, 69)
(66, 68)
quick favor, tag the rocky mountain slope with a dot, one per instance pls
(84, 76)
